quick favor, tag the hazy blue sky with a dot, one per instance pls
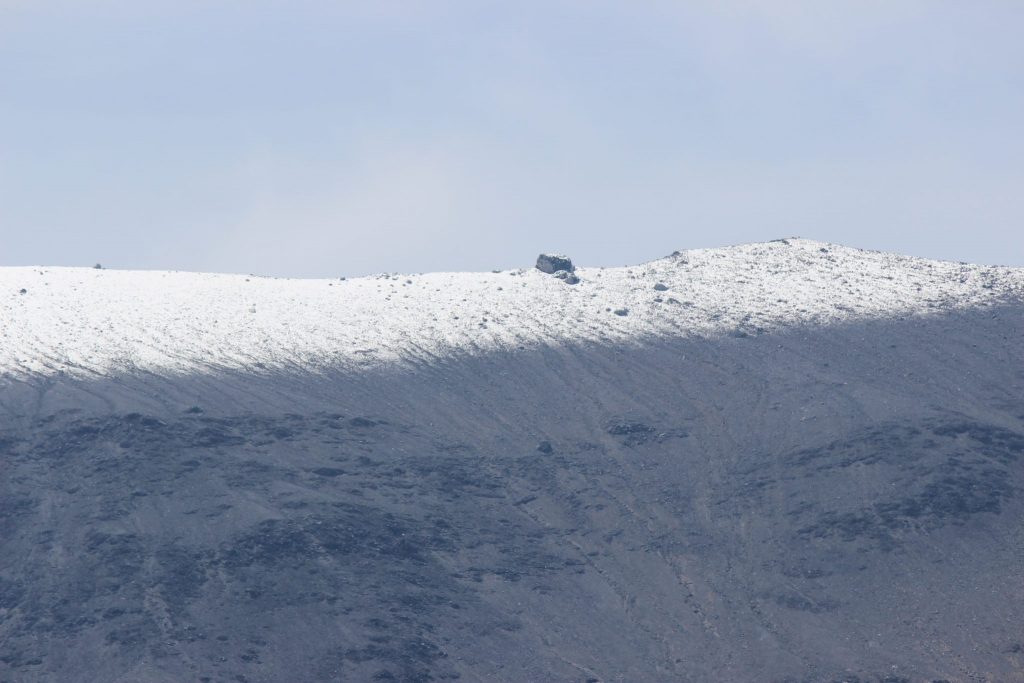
(341, 138)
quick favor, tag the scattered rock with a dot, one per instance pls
(545, 447)
(633, 433)
(661, 287)
(552, 263)
(621, 311)
(626, 428)
(570, 278)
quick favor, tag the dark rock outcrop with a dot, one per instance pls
(552, 263)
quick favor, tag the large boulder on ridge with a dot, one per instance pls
(552, 263)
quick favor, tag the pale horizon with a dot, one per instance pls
(311, 140)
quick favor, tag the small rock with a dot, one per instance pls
(551, 263)
(545, 447)
(621, 311)
(22, 291)
(570, 278)
(629, 428)
(661, 287)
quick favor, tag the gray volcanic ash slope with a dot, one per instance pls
(786, 462)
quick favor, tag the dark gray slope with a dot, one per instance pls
(830, 504)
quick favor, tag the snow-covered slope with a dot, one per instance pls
(783, 462)
(87, 321)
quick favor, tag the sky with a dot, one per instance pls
(307, 138)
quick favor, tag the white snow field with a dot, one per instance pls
(85, 321)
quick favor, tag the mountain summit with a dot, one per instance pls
(790, 461)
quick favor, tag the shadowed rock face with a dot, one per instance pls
(831, 504)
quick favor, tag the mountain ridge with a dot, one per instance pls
(92, 321)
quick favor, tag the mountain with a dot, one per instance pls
(790, 461)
